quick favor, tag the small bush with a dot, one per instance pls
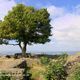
(17, 55)
(4, 76)
(44, 60)
(8, 56)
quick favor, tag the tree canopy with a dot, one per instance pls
(26, 24)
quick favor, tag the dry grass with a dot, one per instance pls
(35, 66)
(73, 57)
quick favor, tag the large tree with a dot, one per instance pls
(26, 25)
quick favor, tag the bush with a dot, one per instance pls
(8, 56)
(17, 55)
(56, 69)
(75, 74)
(4, 76)
(44, 60)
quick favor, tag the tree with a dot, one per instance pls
(26, 25)
(3, 41)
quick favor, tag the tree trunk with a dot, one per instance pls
(23, 48)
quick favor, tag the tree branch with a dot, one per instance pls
(13, 44)
(20, 45)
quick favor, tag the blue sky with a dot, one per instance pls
(69, 4)
(65, 15)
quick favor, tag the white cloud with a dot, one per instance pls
(66, 24)
(56, 11)
(66, 27)
(5, 6)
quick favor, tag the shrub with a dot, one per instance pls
(17, 55)
(44, 60)
(4, 76)
(75, 74)
(56, 69)
(8, 56)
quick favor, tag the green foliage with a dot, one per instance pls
(44, 60)
(75, 73)
(3, 41)
(26, 24)
(56, 70)
(4, 76)
(63, 58)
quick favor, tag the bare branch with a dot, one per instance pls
(13, 44)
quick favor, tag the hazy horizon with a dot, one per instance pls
(15, 49)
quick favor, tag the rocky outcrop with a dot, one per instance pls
(74, 62)
(13, 67)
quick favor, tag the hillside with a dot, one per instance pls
(35, 66)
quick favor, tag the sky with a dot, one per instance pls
(65, 20)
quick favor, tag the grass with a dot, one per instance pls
(36, 68)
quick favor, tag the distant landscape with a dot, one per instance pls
(39, 52)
